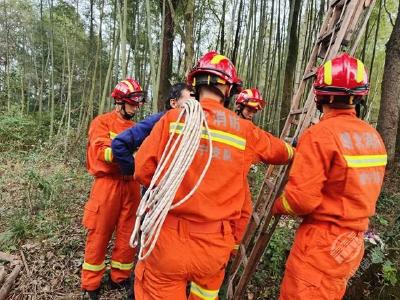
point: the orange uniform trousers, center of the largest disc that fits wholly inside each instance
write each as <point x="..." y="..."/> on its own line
<point x="185" y="252"/>
<point x="323" y="258"/>
<point x="111" y="207"/>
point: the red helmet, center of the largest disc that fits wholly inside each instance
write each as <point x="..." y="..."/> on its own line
<point x="251" y="98"/>
<point x="218" y="66"/>
<point x="129" y="91"/>
<point x="344" y="75"/>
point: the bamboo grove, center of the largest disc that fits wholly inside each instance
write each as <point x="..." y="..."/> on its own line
<point x="60" y="59"/>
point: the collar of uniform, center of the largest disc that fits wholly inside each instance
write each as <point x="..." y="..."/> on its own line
<point x="339" y="112"/>
<point x="211" y="102"/>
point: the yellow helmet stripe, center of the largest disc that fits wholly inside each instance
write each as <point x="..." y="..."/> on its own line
<point x="328" y="72"/>
<point x="360" y="71"/>
<point x="217" y="59"/>
<point x="220" y="80"/>
<point x="249" y="92"/>
<point x="130" y="86"/>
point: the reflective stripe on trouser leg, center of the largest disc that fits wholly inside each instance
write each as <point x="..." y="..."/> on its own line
<point x="94" y="268"/>
<point x="202" y="293"/>
<point x="121" y="266"/>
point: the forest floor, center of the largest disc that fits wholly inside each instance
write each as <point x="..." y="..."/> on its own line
<point x="43" y="191"/>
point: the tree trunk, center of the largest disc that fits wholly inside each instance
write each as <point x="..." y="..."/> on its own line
<point x="91" y="27"/>
<point x="52" y="112"/>
<point x="166" y="56"/>
<point x="388" y="120"/>
<point x="291" y="60"/>
<point x="237" y="34"/>
<point x="152" y="53"/>
<point x="90" y="108"/>
<point x="189" y="46"/>
<point x="376" y="38"/>
<point x="397" y="150"/>
<point x="108" y="75"/>
<point x="123" y="28"/>
<point x="43" y="63"/>
<point x="7" y="60"/>
<point x="223" y="26"/>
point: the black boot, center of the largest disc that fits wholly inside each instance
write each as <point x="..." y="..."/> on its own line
<point x="126" y="284"/>
<point x="93" y="295"/>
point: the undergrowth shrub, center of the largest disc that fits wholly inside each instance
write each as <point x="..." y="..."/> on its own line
<point x="20" y="132"/>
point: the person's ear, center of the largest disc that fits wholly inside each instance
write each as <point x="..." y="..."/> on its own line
<point x="173" y="103"/>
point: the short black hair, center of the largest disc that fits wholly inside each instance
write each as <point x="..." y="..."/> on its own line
<point x="175" y="92"/>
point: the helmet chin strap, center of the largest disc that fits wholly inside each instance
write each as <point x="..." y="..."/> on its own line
<point x="124" y="113"/>
<point x="319" y="107"/>
<point x="239" y="111"/>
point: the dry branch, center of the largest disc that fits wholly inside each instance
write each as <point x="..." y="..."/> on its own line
<point x="25" y="264"/>
<point x="2" y="274"/>
<point x="10" y="281"/>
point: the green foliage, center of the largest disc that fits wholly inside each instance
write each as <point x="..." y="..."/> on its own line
<point x="270" y="270"/>
<point x="377" y="255"/>
<point x="389" y="273"/>
<point x="18" y="132"/>
<point x="41" y="186"/>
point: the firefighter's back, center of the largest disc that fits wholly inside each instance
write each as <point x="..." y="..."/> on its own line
<point x="356" y="170"/>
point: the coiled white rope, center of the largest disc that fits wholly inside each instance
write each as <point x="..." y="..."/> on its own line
<point x="157" y="201"/>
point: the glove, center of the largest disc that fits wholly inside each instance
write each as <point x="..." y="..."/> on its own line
<point x="235" y="250"/>
<point x="278" y="209"/>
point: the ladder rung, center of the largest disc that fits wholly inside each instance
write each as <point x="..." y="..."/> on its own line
<point x="338" y="3"/>
<point x="243" y="255"/>
<point x="309" y="75"/>
<point x="298" y="111"/>
<point x="329" y="33"/>
<point x="269" y="184"/>
<point x="256" y="218"/>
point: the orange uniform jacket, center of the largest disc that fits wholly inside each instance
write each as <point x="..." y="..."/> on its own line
<point x="103" y="129"/>
<point x="239" y="226"/>
<point x="337" y="172"/>
<point x="236" y="142"/>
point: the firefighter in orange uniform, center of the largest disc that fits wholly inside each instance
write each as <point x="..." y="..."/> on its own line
<point x="247" y="104"/>
<point x="196" y="239"/>
<point x="334" y="184"/>
<point x="114" y="198"/>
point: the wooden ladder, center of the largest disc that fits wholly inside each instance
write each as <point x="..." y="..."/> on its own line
<point x="342" y="29"/>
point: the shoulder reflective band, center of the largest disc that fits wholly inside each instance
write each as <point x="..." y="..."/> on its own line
<point x="289" y="150"/>
<point x="112" y="135"/>
<point x="108" y="155"/>
<point x="236" y="247"/>
<point x="216" y="135"/>
<point x="203" y="293"/>
<point x="286" y="205"/>
<point x="119" y="265"/>
<point x="94" y="268"/>
<point x="365" y="161"/>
